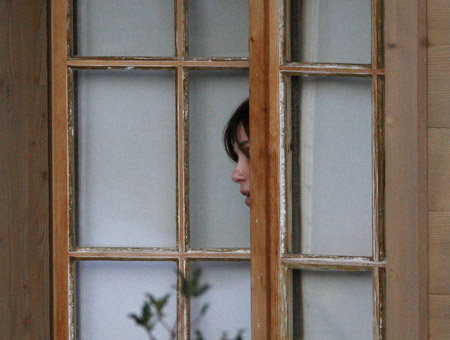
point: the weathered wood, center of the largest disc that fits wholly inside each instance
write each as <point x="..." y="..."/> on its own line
<point x="24" y="172"/>
<point x="123" y="63"/>
<point x="273" y="156"/>
<point x="439" y="85"/>
<point x="146" y="254"/>
<point x="438" y="22"/>
<point x="439" y="252"/>
<point x="439" y="317"/>
<point x="439" y="169"/>
<point x="406" y="170"/>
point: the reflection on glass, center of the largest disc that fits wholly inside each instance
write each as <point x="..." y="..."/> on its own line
<point x="330" y="31"/>
<point x="331" y="305"/>
<point x="124" y="28"/>
<point x="331" y="165"/>
<point x="125" y="158"/>
<point x="218" y="28"/>
<point x="228" y="299"/>
<point x="108" y="291"/>
<point x="218" y="216"/>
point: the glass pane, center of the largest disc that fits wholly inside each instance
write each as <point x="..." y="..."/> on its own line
<point x="218" y="28"/>
<point x="228" y="299"/>
<point x="124" y="28"/>
<point x="332" y="165"/>
<point x="218" y="216"/>
<point x="331" y="31"/>
<point x="126" y="158"/>
<point x="331" y="305"/>
<point x="108" y="291"/>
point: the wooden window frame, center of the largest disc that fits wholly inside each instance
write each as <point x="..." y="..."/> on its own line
<point x="406" y="166"/>
<point x="65" y="251"/>
<point x="405" y="201"/>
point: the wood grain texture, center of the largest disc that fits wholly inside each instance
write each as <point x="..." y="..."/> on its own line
<point x="439" y="84"/>
<point x="439" y="169"/>
<point x="60" y="214"/>
<point x="24" y="172"/>
<point x="439" y="252"/>
<point x="439" y="317"/>
<point x="259" y="172"/>
<point x="406" y="171"/>
<point x="273" y="157"/>
<point x="438" y="22"/>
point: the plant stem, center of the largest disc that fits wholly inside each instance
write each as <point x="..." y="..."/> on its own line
<point x="196" y="321"/>
<point x="171" y="331"/>
<point x="150" y="335"/>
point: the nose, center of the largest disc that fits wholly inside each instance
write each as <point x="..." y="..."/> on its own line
<point x="238" y="174"/>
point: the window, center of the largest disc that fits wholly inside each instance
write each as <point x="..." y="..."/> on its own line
<point x="329" y="169"/>
<point x="332" y="251"/>
<point x="293" y="70"/>
<point x="142" y="183"/>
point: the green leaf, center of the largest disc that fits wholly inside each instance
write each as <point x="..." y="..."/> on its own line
<point x="224" y="336"/>
<point x="198" y="335"/>
<point x="204" y="309"/>
<point x="201" y="290"/>
<point x="239" y="334"/>
<point x="159" y="304"/>
<point x="141" y="321"/>
<point x="191" y="287"/>
<point x="146" y="312"/>
<point x="137" y="319"/>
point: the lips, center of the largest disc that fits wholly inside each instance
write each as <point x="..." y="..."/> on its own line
<point x="246" y="194"/>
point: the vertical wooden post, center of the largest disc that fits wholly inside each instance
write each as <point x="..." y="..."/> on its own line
<point x="264" y="172"/>
<point x="406" y="170"/>
<point x="60" y="170"/>
<point x="24" y="171"/>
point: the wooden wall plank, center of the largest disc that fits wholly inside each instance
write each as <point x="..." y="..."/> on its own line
<point x="439" y="84"/>
<point x="406" y="170"/>
<point x="439" y="169"/>
<point x="439" y="252"/>
<point x="438" y="22"/>
<point x="24" y="176"/>
<point x="439" y="317"/>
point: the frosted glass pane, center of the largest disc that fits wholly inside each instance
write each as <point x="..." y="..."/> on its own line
<point x="332" y="123"/>
<point x="228" y="299"/>
<point x="331" y="31"/>
<point x="124" y="28"/>
<point x="218" y="28"/>
<point x="218" y="216"/>
<point x="108" y="291"/>
<point x="332" y="305"/>
<point x="126" y="158"/>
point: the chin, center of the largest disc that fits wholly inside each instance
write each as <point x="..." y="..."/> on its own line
<point x="247" y="201"/>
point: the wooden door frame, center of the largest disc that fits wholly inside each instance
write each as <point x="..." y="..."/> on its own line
<point x="406" y="169"/>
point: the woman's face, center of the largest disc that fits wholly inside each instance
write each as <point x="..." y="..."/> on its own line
<point x="241" y="173"/>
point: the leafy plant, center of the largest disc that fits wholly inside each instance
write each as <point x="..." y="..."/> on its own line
<point x="152" y="310"/>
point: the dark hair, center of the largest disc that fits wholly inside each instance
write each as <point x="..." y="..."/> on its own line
<point x="230" y="132"/>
